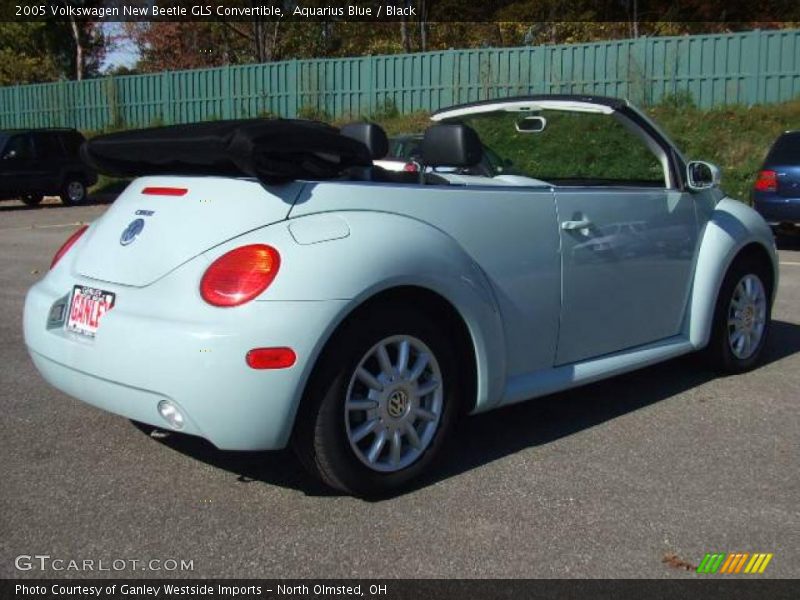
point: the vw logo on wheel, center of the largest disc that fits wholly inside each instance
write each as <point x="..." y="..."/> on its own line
<point x="398" y="402"/>
<point x="131" y="232"/>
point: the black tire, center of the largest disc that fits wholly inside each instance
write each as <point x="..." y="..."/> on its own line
<point x="321" y="438"/>
<point x="719" y="353"/>
<point x="32" y="199"/>
<point x="73" y="191"/>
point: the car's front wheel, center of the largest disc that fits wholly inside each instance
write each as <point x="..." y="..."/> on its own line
<point x="73" y="192"/>
<point x="741" y="318"/>
<point x="380" y="404"/>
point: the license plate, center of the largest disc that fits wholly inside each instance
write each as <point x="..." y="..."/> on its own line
<point x="87" y="307"/>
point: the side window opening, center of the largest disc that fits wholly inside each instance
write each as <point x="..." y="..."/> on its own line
<point x="575" y="148"/>
<point x="21" y="146"/>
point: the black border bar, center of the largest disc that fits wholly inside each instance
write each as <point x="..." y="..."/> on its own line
<point x="706" y="588"/>
<point x="764" y="13"/>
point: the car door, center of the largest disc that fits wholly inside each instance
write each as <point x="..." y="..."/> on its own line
<point x="627" y="261"/>
<point x="629" y="236"/>
<point x="18" y="172"/>
<point x="50" y="159"/>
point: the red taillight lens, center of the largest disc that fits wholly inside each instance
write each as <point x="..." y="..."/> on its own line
<point x="240" y="275"/>
<point x="68" y="244"/>
<point x="767" y="181"/>
<point x="410" y="167"/>
<point x="271" y="358"/>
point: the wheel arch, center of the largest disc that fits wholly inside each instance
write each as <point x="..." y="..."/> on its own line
<point x="436" y="306"/>
<point x="73" y="175"/>
<point x="734" y="231"/>
<point x="478" y="344"/>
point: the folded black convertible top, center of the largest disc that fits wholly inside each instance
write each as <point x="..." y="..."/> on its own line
<point x="273" y="150"/>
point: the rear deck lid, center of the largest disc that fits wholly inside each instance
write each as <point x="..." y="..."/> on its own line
<point x="159" y="223"/>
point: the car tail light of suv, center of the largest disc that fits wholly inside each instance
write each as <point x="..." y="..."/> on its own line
<point x="767" y="181"/>
<point x="240" y="275"/>
<point x="68" y="244"/>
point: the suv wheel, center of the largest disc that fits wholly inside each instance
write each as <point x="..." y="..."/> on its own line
<point x="32" y="199"/>
<point x="73" y="192"/>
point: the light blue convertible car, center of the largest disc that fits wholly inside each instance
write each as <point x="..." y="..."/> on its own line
<point x="358" y="313"/>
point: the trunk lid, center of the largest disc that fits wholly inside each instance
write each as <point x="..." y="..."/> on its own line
<point x="168" y="226"/>
<point x="788" y="178"/>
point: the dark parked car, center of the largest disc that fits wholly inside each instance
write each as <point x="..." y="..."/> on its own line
<point x="776" y="194"/>
<point x="43" y="162"/>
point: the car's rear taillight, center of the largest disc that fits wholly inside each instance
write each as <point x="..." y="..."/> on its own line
<point x="240" y="275"/>
<point x="68" y="244"/>
<point x="767" y="181"/>
<point x="411" y="167"/>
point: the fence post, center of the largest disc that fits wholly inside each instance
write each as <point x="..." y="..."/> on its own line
<point x="637" y="71"/>
<point x="754" y="66"/>
<point x="293" y="99"/>
<point x="227" y="93"/>
<point x="371" y="85"/>
<point x="17" y="108"/>
<point x="166" y="98"/>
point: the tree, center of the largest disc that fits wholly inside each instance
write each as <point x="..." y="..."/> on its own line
<point x="80" y="45"/>
<point x="23" y="54"/>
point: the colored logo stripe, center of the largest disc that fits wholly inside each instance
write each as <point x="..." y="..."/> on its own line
<point x="733" y="562"/>
<point x="710" y="563"/>
<point x="758" y="563"/>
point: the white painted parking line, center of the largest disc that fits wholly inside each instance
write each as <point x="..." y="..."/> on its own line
<point x="791" y="264"/>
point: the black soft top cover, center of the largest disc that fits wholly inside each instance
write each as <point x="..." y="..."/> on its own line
<point x="272" y="150"/>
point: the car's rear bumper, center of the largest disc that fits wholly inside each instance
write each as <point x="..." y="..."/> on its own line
<point x="777" y="210"/>
<point x="196" y="361"/>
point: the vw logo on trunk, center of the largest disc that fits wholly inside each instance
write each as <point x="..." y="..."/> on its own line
<point x="131" y="232"/>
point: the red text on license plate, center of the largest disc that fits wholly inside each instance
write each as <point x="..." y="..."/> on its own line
<point x="87" y="307"/>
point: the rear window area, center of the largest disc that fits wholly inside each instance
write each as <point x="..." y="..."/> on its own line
<point x="785" y="150"/>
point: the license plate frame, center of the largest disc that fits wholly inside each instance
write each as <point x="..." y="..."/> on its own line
<point x="87" y="305"/>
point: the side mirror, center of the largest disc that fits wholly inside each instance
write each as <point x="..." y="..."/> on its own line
<point x="702" y="175"/>
<point x="531" y="125"/>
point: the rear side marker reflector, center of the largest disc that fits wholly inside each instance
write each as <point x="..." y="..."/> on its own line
<point x="164" y="191"/>
<point x="271" y="358"/>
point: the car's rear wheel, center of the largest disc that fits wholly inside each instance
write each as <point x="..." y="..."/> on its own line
<point x="380" y="404"/>
<point x="32" y="199"/>
<point x="741" y="318"/>
<point x="73" y="191"/>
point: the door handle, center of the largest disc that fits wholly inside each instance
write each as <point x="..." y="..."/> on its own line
<point x="573" y="225"/>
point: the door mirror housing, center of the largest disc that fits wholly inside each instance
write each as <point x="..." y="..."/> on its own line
<point x="533" y="124"/>
<point x="701" y="175"/>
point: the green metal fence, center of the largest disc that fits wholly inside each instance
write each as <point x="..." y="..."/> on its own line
<point x="740" y="68"/>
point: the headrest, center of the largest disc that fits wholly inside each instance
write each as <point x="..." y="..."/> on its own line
<point x="371" y="135"/>
<point x="451" y="145"/>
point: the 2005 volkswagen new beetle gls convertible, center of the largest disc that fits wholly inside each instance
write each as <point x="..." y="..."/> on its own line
<point x="262" y="283"/>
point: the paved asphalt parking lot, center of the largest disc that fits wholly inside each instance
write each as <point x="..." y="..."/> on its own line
<point x="609" y="480"/>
